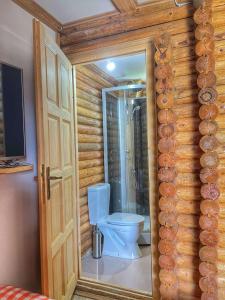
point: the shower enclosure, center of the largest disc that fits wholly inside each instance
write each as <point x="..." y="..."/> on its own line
<point x="126" y="151"/>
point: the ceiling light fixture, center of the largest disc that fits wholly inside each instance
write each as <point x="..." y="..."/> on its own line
<point x="110" y="66"/>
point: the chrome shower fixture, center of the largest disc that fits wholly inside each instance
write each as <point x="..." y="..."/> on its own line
<point x="138" y="107"/>
<point x="182" y="4"/>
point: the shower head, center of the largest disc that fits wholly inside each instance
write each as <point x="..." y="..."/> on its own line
<point x="138" y="107"/>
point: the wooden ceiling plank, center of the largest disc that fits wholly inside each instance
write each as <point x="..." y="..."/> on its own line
<point x="41" y="14"/>
<point x="124" y="5"/>
<point x="119" y="24"/>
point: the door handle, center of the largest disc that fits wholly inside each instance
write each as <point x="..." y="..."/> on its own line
<point x="49" y="178"/>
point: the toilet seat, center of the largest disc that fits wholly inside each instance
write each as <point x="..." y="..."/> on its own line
<point x="124" y="219"/>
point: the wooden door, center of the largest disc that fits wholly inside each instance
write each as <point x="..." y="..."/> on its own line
<point x="56" y="167"/>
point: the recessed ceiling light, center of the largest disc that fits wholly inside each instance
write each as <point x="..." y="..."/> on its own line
<point x="110" y="66"/>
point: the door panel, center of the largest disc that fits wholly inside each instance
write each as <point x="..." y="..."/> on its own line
<point x="55" y="127"/>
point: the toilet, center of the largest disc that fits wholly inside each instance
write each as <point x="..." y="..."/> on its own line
<point x="120" y="230"/>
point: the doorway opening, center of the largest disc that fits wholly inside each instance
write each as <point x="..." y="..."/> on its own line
<point x="113" y="138"/>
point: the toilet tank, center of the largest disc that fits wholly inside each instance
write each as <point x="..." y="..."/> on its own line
<point x="98" y="202"/>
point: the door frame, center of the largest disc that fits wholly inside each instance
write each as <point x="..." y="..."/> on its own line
<point x="90" y="287"/>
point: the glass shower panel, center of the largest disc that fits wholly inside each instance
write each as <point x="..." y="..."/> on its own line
<point x="141" y="156"/>
<point x="126" y="151"/>
<point x="113" y="155"/>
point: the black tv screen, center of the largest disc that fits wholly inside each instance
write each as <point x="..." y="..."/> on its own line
<point x="12" y="137"/>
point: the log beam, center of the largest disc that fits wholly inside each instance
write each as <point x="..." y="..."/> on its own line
<point x="124" y="5"/>
<point x="116" y="23"/>
<point x="38" y="12"/>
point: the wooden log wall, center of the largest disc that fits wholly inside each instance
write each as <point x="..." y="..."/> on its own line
<point x="218" y="22"/>
<point x="186" y="107"/>
<point x="183" y="279"/>
<point x="167" y="173"/>
<point x="89" y="84"/>
<point x="188" y="155"/>
<point x="209" y="159"/>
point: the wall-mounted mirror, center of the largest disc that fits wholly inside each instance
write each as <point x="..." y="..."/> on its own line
<point x="112" y="124"/>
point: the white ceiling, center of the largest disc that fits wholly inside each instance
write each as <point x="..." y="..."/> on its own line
<point x="127" y="67"/>
<point x="71" y="10"/>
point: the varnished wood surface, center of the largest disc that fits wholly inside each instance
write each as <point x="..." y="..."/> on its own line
<point x="16" y="169"/>
<point x="125" y="6"/>
<point x="57" y="198"/>
<point x="89" y="83"/>
<point x="76" y="297"/>
<point x="81" y="31"/>
<point x="100" y="291"/>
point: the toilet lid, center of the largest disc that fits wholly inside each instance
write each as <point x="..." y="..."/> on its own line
<point x="124" y="219"/>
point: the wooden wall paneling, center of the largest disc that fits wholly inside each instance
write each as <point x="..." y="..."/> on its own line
<point x="89" y="84"/>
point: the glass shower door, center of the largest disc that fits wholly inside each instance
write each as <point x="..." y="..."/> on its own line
<point x="126" y="151"/>
<point x="112" y="155"/>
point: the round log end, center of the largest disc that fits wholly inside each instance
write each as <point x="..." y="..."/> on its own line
<point x="208" y="254"/>
<point x="202" y="15"/>
<point x="209" y="238"/>
<point x="205" y="47"/>
<point x="163" y="71"/>
<point x="208" y="127"/>
<point x="166" y="247"/>
<point x="209" y="175"/>
<point x="206" y="80"/>
<point x="208" y="112"/>
<point x="205" y="64"/>
<point x="166" y="130"/>
<point x="209" y="160"/>
<point x="167" y="160"/>
<point x="207" y="95"/>
<point x="167" y="189"/>
<point x="210" y="191"/>
<point x="203" y="31"/>
<point x="167" y="174"/>
<point x="166" y="116"/>
<point x="209" y="207"/>
<point x="166" y="262"/>
<point x="208" y="284"/>
<point x="166" y="233"/>
<point x="165" y="101"/>
<point x="164" y="86"/>
<point x="208" y="222"/>
<point x="207" y="269"/>
<point x="167" y="219"/>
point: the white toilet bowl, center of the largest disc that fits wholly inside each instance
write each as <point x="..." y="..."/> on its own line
<point x="121" y="232"/>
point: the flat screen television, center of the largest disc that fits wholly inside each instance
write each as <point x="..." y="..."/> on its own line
<point x="12" y="134"/>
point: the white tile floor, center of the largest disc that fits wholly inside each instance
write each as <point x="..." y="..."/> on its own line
<point x="120" y="272"/>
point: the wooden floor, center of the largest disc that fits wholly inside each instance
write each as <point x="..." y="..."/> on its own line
<point x="79" y="298"/>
